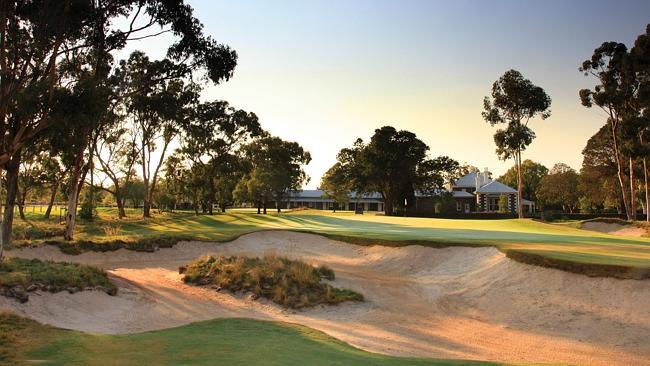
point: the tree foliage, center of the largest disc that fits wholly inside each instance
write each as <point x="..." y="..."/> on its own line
<point x="560" y="188"/>
<point x="514" y="101"/>
<point x="394" y="163"/>
<point x="531" y="174"/>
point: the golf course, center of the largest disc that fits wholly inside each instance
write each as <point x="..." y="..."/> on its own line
<point x="436" y="292"/>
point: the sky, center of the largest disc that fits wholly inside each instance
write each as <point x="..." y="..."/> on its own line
<point x="324" y="73"/>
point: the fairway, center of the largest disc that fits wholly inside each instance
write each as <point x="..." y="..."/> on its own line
<point x="557" y="241"/>
<point x="214" y="342"/>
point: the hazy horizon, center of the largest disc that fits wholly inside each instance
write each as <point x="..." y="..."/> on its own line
<point x="324" y="73"/>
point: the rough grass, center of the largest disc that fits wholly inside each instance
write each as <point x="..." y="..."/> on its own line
<point x="290" y="283"/>
<point x="17" y="276"/>
<point x="216" y="342"/>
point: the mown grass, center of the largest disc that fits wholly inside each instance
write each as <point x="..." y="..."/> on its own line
<point x="18" y="275"/>
<point x="553" y="241"/>
<point x="290" y="283"/>
<point x="214" y="342"/>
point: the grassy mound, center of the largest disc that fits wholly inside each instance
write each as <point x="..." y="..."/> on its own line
<point x="19" y="276"/>
<point x="215" y="342"/>
<point x="290" y="283"/>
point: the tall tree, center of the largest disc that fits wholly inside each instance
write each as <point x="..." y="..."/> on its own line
<point x="598" y="181"/>
<point x="514" y="102"/>
<point x="159" y="111"/>
<point x="531" y="174"/>
<point x="336" y="184"/>
<point x="212" y="142"/>
<point x="395" y="164"/>
<point x="641" y="59"/>
<point x="612" y="66"/>
<point x="117" y="153"/>
<point x="277" y="169"/>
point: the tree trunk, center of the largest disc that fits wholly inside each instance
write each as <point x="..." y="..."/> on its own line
<point x="619" y="173"/>
<point x="55" y="188"/>
<point x="388" y="205"/>
<point x="73" y="197"/>
<point x="520" y="210"/>
<point x="259" y="209"/>
<point x="146" y="208"/>
<point x="647" y="197"/>
<point x="265" y="208"/>
<point x="121" y="213"/>
<point x="632" y="191"/>
<point x="12" y="191"/>
<point x="21" y="206"/>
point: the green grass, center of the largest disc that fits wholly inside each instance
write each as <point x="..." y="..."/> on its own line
<point x="290" y="283"/>
<point x="559" y="242"/>
<point x="214" y="342"/>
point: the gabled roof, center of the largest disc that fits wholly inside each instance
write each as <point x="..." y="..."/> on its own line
<point x="495" y="187"/>
<point x="468" y="180"/>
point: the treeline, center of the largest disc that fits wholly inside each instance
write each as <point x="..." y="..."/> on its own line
<point x="77" y="123"/>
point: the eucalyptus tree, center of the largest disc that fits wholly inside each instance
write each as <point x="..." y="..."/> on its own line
<point x="276" y="170"/>
<point x="598" y="182"/>
<point x="159" y="107"/>
<point x="641" y="124"/>
<point x="336" y="184"/>
<point x="560" y="188"/>
<point x="612" y="67"/>
<point x="212" y="142"/>
<point x="531" y="174"/>
<point x="117" y="153"/>
<point x="393" y="163"/>
<point x="514" y="101"/>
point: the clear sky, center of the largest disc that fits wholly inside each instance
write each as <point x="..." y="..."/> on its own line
<point x="326" y="72"/>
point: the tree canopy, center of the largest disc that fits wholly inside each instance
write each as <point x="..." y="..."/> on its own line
<point x="514" y="101"/>
<point x="531" y="174"/>
<point x="393" y="163"/>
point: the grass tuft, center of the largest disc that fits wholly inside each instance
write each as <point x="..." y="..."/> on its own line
<point x="290" y="283"/>
<point x="19" y="276"/>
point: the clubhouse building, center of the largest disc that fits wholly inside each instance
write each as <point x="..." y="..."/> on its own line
<point x="473" y="193"/>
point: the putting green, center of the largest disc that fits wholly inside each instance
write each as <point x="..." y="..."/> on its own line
<point x="549" y="240"/>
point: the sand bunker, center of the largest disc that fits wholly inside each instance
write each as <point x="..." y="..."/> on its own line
<point x="470" y="303"/>
<point x="614" y="228"/>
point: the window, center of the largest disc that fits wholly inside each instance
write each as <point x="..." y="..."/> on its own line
<point x="459" y="206"/>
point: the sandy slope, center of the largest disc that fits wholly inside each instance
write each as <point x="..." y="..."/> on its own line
<point x="468" y="303"/>
<point x="614" y="229"/>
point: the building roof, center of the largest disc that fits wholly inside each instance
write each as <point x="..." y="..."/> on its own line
<point x="462" y="194"/>
<point x="468" y="180"/>
<point x="316" y="194"/>
<point x="495" y="187"/>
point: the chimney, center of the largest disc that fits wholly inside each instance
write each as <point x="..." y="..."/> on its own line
<point x="486" y="176"/>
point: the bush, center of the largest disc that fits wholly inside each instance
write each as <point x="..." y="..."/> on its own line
<point x="19" y="276"/>
<point x="289" y="283"/>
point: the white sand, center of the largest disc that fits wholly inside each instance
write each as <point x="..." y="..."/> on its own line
<point x="470" y="303"/>
<point x="614" y="229"/>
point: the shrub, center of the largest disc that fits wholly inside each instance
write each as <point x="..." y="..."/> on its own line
<point x="290" y="283"/>
<point x="18" y="276"/>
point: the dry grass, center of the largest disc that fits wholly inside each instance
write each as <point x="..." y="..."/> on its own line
<point x="290" y="283"/>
